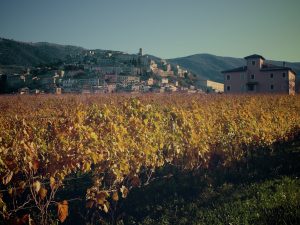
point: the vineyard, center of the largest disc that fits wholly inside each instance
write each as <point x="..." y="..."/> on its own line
<point x="58" y="153"/>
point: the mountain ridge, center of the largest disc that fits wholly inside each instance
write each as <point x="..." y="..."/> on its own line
<point x="33" y="54"/>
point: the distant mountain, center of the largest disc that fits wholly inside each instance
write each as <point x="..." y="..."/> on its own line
<point x="32" y="54"/>
<point x="207" y="66"/>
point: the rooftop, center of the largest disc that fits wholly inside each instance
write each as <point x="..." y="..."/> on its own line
<point x="239" y="69"/>
<point x="255" y="56"/>
<point x="271" y="67"/>
<point x="265" y="66"/>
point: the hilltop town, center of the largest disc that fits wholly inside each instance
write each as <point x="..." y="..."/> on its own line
<point x="104" y="71"/>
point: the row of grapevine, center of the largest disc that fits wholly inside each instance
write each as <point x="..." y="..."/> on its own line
<point x="122" y="141"/>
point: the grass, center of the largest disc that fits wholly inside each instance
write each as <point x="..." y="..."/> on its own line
<point x="275" y="201"/>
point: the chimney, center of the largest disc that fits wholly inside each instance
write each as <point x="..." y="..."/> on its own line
<point x="283" y="63"/>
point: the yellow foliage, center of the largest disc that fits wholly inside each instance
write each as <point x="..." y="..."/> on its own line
<point x="120" y="137"/>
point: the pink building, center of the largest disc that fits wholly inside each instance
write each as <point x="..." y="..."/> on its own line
<point x="259" y="77"/>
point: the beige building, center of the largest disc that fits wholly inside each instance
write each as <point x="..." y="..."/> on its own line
<point x="259" y="77"/>
<point x="212" y="85"/>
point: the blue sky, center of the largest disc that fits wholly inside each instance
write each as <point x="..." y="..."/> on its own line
<point x="165" y="28"/>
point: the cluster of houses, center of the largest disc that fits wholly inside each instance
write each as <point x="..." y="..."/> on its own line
<point x="105" y="72"/>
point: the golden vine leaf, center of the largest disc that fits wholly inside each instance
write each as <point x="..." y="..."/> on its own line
<point x="7" y="178"/>
<point x="106" y="207"/>
<point x="62" y="210"/>
<point x="36" y="186"/>
<point x="43" y="193"/>
<point x="52" y="183"/>
<point x="124" y="191"/>
<point x="115" y="196"/>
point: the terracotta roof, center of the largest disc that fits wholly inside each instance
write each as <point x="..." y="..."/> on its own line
<point x="255" y="56"/>
<point x="239" y="69"/>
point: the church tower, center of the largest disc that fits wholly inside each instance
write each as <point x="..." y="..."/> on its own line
<point x="141" y="52"/>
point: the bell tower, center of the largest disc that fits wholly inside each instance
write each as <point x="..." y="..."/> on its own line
<point x="140" y="52"/>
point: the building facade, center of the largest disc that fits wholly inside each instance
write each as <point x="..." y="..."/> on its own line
<point x="259" y="77"/>
<point x="207" y="85"/>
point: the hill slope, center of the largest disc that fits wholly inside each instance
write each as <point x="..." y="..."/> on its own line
<point x="208" y="66"/>
<point x="32" y="54"/>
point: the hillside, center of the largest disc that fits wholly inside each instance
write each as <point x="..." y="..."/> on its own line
<point x="208" y="66"/>
<point x="32" y="54"/>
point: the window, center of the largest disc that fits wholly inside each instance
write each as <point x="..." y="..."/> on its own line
<point x="283" y="75"/>
<point x="272" y="87"/>
<point x="228" y="77"/>
<point x="253" y="63"/>
<point x="228" y="88"/>
<point x="252" y="76"/>
<point x="271" y="75"/>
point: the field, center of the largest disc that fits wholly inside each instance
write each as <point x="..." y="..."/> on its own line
<point x="150" y="159"/>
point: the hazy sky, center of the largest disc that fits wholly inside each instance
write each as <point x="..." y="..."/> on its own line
<point x="165" y="28"/>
